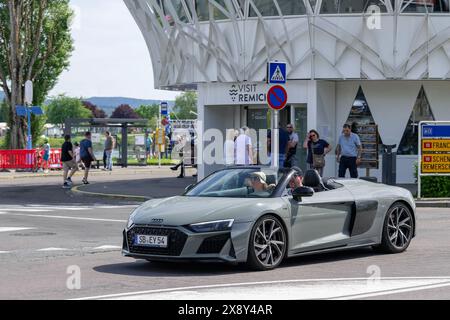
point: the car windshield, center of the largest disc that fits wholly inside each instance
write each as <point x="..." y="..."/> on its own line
<point x="238" y="183"/>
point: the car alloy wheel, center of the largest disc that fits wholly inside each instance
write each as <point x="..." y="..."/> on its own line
<point x="400" y="227"/>
<point x="268" y="243"/>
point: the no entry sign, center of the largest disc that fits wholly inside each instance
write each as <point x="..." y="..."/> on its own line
<point x="277" y="97"/>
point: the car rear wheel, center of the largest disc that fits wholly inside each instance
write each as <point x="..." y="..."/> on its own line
<point x="267" y="247"/>
<point x="398" y="229"/>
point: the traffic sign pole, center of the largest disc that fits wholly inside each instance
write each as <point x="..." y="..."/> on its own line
<point x="276" y="140"/>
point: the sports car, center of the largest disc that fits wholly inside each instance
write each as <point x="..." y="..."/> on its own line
<point x="261" y="216"/>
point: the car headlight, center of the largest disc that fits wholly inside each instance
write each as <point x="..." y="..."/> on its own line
<point x="130" y="223"/>
<point x="213" y="226"/>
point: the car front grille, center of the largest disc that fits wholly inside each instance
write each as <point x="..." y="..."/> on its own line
<point x="213" y="245"/>
<point x="177" y="239"/>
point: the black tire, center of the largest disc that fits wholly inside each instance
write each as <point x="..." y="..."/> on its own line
<point x="396" y="239"/>
<point x="270" y="224"/>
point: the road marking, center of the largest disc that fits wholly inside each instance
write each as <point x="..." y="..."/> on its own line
<point x="330" y="289"/>
<point x="62" y="217"/>
<point x="52" y="249"/>
<point x="107" y="248"/>
<point x="4" y="252"/>
<point x="11" y="229"/>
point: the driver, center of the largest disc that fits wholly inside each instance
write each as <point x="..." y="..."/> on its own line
<point x="297" y="179"/>
<point x="259" y="183"/>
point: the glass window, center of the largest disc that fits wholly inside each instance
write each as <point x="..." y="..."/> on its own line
<point x="350" y="6"/>
<point x="421" y="112"/>
<point x="238" y="183"/>
<point x="202" y="8"/>
<point x="423" y="6"/>
<point x="179" y="9"/>
<point x="266" y="8"/>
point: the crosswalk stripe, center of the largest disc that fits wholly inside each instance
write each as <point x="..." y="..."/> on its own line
<point x="107" y="248"/>
<point x="62" y="217"/>
<point x="11" y="229"/>
<point x="52" y="249"/>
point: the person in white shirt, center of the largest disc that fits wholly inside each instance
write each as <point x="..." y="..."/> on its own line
<point x="228" y="148"/>
<point x="243" y="148"/>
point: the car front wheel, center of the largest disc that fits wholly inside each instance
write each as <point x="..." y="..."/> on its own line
<point x="268" y="244"/>
<point x="398" y="229"/>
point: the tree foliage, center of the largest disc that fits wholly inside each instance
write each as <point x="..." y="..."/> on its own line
<point x="63" y="107"/>
<point x="124" y="111"/>
<point x="185" y="105"/>
<point x="35" y="44"/>
<point x="148" y="111"/>
<point x="96" y="111"/>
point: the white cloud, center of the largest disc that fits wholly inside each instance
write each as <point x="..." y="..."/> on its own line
<point x="110" y="57"/>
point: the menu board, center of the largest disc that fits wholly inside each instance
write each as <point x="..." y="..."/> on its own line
<point x="368" y="134"/>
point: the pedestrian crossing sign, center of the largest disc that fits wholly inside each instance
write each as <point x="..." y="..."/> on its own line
<point x="276" y="73"/>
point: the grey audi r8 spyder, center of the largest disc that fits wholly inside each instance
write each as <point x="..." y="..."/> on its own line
<point x="261" y="216"/>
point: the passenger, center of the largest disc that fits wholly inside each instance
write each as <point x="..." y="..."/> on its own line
<point x="297" y="179"/>
<point x="259" y="183"/>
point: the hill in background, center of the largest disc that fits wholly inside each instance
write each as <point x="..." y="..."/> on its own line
<point x="108" y="104"/>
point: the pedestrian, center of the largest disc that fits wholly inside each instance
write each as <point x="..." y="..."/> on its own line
<point x="291" y="156"/>
<point x="283" y="145"/>
<point x="243" y="148"/>
<point x="68" y="160"/>
<point x="46" y="156"/>
<point x="317" y="150"/>
<point x="76" y="152"/>
<point x="148" y="146"/>
<point x="109" y="147"/>
<point x="348" y="152"/>
<point x="87" y="155"/>
<point x="180" y="145"/>
<point x="228" y="148"/>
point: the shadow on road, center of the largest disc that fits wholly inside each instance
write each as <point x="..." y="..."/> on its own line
<point x="192" y="269"/>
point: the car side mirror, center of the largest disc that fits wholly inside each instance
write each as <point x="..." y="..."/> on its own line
<point x="301" y="192"/>
<point x="189" y="188"/>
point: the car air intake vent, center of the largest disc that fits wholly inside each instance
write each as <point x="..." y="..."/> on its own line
<point x="177" y="239"/>
<point x="213" y="245"/>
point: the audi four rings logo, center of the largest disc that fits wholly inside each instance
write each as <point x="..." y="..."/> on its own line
<point x="157" y="220"/>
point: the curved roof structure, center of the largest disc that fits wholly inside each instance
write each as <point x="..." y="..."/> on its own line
<point x="205" y="41"/>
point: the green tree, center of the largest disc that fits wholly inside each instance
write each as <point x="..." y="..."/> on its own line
<point x="185" y="105"/>
<point x="148" y="111"/>
<point x="63" y="107"/>
<point x="35" y="44"/>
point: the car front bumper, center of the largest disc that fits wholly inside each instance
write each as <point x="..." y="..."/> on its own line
<point x="230" y="246"/>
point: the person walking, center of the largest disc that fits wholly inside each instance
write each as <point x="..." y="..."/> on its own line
<point x="46" y="156"/>
<point x="243" y="148"/>
<point x="180" y="145"/>
<point x="109" y="147"/>
<point x="317" y="150"/>
<point x="87" y="155"/>
<point x="291" y="156"/>
<point x="68" y="160"/>
<point x="348" y="152"/>
<point x="148" y="146"/>
<point x="228" y="148"/>
<point x="76" y="152"/>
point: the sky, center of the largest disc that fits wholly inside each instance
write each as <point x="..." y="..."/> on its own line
<point x="111" y="58"/>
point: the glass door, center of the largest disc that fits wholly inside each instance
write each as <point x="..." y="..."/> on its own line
<point x="300" y="114"/>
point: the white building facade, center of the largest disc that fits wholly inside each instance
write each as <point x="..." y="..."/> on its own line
<point x="381" y="62"/>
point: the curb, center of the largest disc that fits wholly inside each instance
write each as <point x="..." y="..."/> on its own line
<point x="433" y="204"/>
<point x="93" y="173"/>
<point x="76" y="190"/>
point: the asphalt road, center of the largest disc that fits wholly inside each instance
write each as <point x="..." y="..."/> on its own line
<point x="46" y="242"/>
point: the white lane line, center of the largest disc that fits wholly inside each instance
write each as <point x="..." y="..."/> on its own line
<point x="26" y="210"/>
<point x="11" y="229"/>
<point x="4" y="252"/>
<point x="107" y="247"/>
<point x="345" y="288"/>
<point x="52" y="249"/>
<point x="62" y="217"/>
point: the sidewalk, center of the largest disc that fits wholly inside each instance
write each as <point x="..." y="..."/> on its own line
<point x="139" y="190"/>
<point x="12" y="175"/>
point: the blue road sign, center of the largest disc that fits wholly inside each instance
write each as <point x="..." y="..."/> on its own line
<point x="277" y="97"/>
<point x="277" y="73"/>
<point x="436" y="131"/>
<point x="23" y="111"/>
<point x="164" y="109"/>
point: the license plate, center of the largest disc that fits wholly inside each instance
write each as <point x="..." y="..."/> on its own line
<point x="151" y="241"/>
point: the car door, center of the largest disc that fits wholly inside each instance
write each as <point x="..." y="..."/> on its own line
<point x="321" y="221"/>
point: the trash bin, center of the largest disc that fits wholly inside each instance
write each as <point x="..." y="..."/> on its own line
<point x="389" y="171"/>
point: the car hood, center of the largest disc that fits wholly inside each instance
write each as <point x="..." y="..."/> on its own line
<point x="178" y="211"/>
